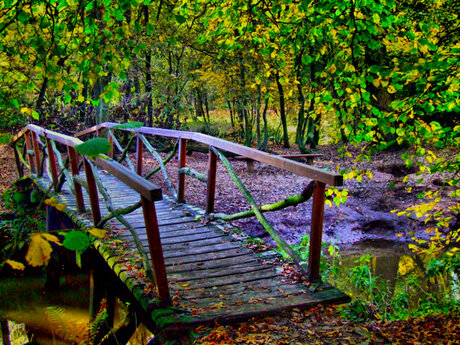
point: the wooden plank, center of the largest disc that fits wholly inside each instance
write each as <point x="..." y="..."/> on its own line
<point x="230" y="280"/>
<point x="230" y="253"/>
<point x="172" y="239"/>
<point x="204" y="265"/>
<point x="171" y="252"/>
<point x="243" y="268"/>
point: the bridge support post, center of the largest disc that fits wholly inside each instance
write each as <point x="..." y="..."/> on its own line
<point x="139" y="152"/>
<point x="73" y="158"/>
<point x="156" y="250"/>
<point x="92" y="191"/>
<point x="211" y="190"/>
<point x="52" y="162"/>
<point x="181" y="176"/>
<point x="36" y="153"/>
<point x="33" y="168"/>
<point x="316" y="233"/>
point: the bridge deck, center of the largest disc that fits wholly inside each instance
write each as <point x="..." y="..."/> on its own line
<point x="212" y="273"/>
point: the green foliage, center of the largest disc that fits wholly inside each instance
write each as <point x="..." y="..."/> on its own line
<point x="76" y="240"/>
<point x="129" y="125"/>
<point x="5" y="138"/>
<point x="17" y="222"/>
<point x="93" y="147"/>
<point x="418" y="291"/>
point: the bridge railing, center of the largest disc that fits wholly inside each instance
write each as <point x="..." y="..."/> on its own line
<point x="40" y="145"/>
<point x="320" y="177"/>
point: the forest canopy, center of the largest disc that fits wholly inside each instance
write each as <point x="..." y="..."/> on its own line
<point x="384" y="72"/>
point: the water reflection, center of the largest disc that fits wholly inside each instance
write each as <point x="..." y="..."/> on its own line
<point x="50" y="318"/>
<point x="394" y="268"/>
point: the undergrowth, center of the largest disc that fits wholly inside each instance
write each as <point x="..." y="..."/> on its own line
<point x="424" y="286"/>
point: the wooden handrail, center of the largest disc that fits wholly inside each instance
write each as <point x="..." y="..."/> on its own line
<point x="140" y="185"/>
<point x="321" y="178"/>
<point x="149" y="193"/>
<point x="276" y="161"/>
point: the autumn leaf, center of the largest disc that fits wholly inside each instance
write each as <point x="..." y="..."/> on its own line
<point x="97" y="232"/>
<point x="16" y="265"/>
<point x="39" y="252"/>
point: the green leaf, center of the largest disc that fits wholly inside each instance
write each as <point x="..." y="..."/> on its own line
<point x="127" y="125"/>
<point x="19" y="196"/>
<point x="180" y="19"/>
<point x="76" y="240"/>
<point x="93" y="147"/>
<point x="34" y="196"/>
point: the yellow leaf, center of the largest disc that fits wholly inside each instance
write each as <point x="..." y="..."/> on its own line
<point x="50" y="238"/>
<point x="60" y="206"/>
<point x="50" y="202"/>
<point x="39" y="252"/>
<point x="376" y="82"/>
<point x="185" y="285"/>
<point x="15" y="265"/>
<point x="332" y="69"/>
<point x="391" y="89"/>
<point x="97" y="232"/>
<point x="399" y="235"/>
<point x="328" y="202"/>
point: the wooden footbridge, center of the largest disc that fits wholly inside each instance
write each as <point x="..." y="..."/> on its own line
<point x="175" y="270"/>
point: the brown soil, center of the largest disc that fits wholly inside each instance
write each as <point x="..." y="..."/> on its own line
<point x="365" y="216"/>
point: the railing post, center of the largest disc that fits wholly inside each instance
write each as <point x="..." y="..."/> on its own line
<point x="211" y="190"/>
<point x="156" y="250"/>
<point x="73" y="158"/>
<point x="33" y="168"/>
<point x="92" y="191"/>
<point x="181" y="164"/>
<point x="139" y="152"/>
<point x="111" y="145"/>
<point x="316" y="232"/>
<point x="52" y="162"/>
<point x="36" y="152"/>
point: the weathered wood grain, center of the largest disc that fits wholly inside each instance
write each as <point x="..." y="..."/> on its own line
<point x="215" y="277"/>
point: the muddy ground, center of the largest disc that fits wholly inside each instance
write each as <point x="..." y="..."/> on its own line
<point x="366" y="215"/>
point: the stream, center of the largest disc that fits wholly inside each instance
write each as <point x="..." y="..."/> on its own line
<point x="62" y="318"/>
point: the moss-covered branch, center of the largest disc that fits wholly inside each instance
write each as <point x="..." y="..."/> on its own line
<point x="162" y="166"/>
<point x="119" y="211"/>
<point x="290" y="201"/>
<point x="165" y="161"/>
<point x="193" y="173"/>
<point x="282" y="244"/>
<point x="124" y="152"/>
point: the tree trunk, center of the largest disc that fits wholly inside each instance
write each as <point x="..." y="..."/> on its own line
<point x="264" y="117"/>
<point x="283" y="112"/>
<point x="148" y="75"/>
